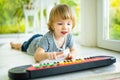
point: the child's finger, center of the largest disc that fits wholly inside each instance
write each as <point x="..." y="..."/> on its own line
<point x="69" y="57"/>
<point x="60" y="54"/>
<point x="54" y="55"/>
<point x="49" y="56"/>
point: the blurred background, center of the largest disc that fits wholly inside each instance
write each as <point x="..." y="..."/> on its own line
<point x="24" y="17"/>
<point x="29" y="16"/>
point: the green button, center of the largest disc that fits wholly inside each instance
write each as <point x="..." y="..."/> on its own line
<point x="36" y="66"/>
<point x="47" y="64"/>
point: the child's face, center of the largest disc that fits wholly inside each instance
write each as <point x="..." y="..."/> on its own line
<point x="62" y="27"/>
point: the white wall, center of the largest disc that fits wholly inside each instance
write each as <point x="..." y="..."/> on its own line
<point x="88" y="34"/>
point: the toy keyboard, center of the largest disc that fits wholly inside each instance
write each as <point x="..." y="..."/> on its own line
<point x="47" y="69"/>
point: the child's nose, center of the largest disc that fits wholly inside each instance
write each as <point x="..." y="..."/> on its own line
<point x="65" y="27"/>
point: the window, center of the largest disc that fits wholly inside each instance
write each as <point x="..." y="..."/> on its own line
<point x="11" y="16"/>
<point x="108" y="24"/>
<point x="114" y="19"/>
<point x="30" y="16"/>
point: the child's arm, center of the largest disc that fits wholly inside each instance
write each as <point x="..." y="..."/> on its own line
<point x="40" y="55"/>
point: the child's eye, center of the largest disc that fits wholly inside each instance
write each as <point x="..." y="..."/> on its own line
<point x="68" y="23"/>
<point x="59" y="23"/>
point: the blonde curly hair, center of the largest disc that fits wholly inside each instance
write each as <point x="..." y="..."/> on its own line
<point x="60" y="11"/>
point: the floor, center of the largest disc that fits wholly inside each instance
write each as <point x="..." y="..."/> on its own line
<point x="10" y="58"/>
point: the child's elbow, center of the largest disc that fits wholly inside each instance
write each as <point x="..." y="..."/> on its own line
<point x="36" y="58"/>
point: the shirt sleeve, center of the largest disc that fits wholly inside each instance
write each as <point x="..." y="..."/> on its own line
<point x="43" y="43"/>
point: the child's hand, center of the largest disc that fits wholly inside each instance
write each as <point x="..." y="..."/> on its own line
<point x="55" y="55"/>
<point x="70" y="56"/>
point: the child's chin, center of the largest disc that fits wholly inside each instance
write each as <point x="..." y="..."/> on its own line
<point x="64" y="35"/>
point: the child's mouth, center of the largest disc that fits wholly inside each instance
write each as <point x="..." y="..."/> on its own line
<point x="64" y="32"/>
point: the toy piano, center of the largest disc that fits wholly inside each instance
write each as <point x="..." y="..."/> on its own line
<point x="47" y="69"/>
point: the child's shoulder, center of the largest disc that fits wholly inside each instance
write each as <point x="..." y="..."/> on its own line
<point x="48" y="34"/>
<point x="47" y="37"/>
